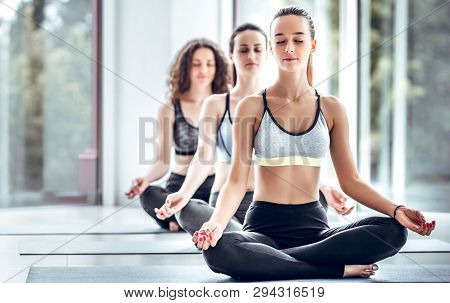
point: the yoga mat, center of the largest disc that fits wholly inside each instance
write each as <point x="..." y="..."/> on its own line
<point x="202" y="274"/>
<point x="77" y="228"/>
<point x="425" y="246"/>
<point x="77" y="247"/>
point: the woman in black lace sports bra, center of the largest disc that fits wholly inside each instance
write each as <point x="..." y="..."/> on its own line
<point x="199" y="70"/>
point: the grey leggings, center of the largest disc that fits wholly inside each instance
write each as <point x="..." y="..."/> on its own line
<point x="294" y="242"/>
<point x="197" y="212"/>
<point x="155" y="196"/>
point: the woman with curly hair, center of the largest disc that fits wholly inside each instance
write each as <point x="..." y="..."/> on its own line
<point x="200" y="69"/>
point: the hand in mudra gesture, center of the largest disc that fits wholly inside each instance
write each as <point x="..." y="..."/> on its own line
<point x="208" y="235"/>
<point x="414" y="220"/>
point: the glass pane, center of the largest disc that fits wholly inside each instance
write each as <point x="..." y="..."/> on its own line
<point x="428" y="111"/>
<point x="426" y="127"/>
<point x="381" y="92"/>
<point x="47" y="103"/>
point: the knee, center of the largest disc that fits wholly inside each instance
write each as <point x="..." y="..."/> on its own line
<point x="397" y="235"/>
<point x="223" y="257"/>
<point x="187" y="212"/>
<point x="186" y="219"/>
<point x="148" y="196"/>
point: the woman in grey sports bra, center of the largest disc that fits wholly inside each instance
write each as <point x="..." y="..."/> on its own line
<point x="248" y="51"/>
<point x="290" y="127"/>
<point x="198" y="71"/>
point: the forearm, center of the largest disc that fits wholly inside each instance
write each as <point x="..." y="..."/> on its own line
<point x="323" y="186"/>
<point x="228" y="202"/>
<point x="156" y="171"/>
<point x="196" y="175"/>
<point x="363" y="193"/>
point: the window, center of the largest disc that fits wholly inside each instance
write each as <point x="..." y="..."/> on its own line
<point x="48" y="133"/>
<point x="404" y="112"/>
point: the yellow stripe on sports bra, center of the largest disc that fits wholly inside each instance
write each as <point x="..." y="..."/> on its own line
<point x="289" y="160"/>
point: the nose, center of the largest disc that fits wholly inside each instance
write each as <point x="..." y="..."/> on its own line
<point x="204" y="69"/>
<point x="289" y="47"/>
<point x="251" y="55"/>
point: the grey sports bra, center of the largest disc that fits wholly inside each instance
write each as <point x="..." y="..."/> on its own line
<point x="224" y="144"/>
<point x="185" y="135"/>
<point x="275" y="146"/>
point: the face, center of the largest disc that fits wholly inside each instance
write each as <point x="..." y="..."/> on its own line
<point x="249" y="53"/>
<point x="203" y="67"/>
<point x="291" y="42"/>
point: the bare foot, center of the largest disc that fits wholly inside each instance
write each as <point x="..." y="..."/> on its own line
<point x="174" y="227"/>
<point x="364" y="271"/>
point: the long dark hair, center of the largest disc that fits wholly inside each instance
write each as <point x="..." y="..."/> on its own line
<point x="241" y="28"/>
<point x="296" y="11"/>
<point x="179" y="77"/>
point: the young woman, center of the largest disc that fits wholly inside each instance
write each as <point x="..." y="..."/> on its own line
<point x="248" y="51"/>
<point x="291" y="127"/>
<point x="200" y="69"/>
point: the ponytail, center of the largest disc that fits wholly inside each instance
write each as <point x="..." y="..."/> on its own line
<point x="309" y="71"/>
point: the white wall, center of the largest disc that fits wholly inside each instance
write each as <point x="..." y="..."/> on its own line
<point x="140" y="40"/>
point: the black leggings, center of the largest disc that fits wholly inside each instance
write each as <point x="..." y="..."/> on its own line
<point x="295" y="242"/>
<point x="155" y="196"/>
<point x="197" y="212"/>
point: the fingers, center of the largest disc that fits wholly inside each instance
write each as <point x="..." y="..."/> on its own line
<point x="419" y="216"/>
<point x="164" y="212"/>
<point x="134" y="191"/>
<point x="129" y="194"/>
<point x="432" y="225"/>
<point x="340" y="196"/>
<point x="425" y="228"/>
<point x="347" y="211"/>
<point x="204" y="238"/>
<point x="195" y="237"/>
<point x="203" y="241"/>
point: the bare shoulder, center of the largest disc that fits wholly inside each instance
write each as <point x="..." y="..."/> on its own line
<point x="252" y="105"/>
<point x="331" y="103"/>
<point x="166" y="109"/>
<point x="332" y="108"/>
<point x="215" y="100"/>
<point x="214" y="104"/>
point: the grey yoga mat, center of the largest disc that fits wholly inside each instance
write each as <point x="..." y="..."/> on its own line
<point x="81" y="247"/>
<point x="103" y="247"/>
<point x="77" y="228"/>
<point x="426" y="246"/>
<point x="201" y="273"/>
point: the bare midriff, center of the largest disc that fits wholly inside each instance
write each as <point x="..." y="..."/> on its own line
<point x="297" y="184"/>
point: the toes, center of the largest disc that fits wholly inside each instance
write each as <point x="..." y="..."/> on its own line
<point x="367" y="273"/>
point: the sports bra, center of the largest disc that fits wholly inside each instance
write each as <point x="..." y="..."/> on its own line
<point x="185" y="135"/>
<point x="275" y="146"/>
<point x="224" y="144"/>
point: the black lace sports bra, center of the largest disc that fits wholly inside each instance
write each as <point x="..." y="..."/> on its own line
<point x="185" y="135"/>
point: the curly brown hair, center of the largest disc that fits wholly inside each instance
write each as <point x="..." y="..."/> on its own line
<point x="179" y="80"/>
